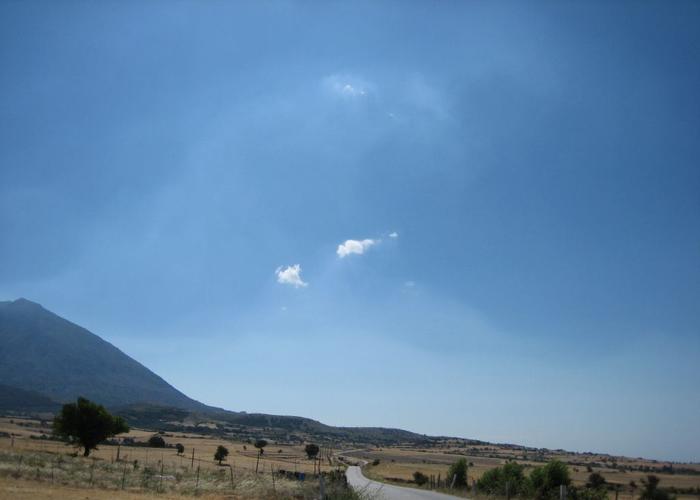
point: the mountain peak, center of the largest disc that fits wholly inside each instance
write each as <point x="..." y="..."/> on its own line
<point x="43" y="352"/>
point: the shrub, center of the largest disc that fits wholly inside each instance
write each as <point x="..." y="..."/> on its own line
<point x="458" y="473"/>
<point x="419" y="478"/>
<point x="180" y="448"/>
<point x="508" y="479"/>
<point x="544" y="482"/>
<point x="651" y="490"/>
<point x="156" y="441"/>
<point x="596" y="480"/>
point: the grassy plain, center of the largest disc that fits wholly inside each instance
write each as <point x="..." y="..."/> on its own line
<point x="397" y="464"/>
<point x="31" y="467"/>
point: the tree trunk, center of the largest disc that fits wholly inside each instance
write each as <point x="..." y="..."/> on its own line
<point x="86" y="452"/>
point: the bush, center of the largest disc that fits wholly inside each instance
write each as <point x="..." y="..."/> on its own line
<point x="544" y="482"/>
<point x="180" y="448"/>
<point x="508" y="479"/>
<point x="458" y="473"/>
<point x="376" y="461"/>
<point x="156" y="441"/>
<point x="596" y="480"/>
<point x="651" y="490"/>
<point x="419" y="478"/>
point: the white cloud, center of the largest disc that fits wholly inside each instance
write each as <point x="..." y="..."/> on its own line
<point x="346" y="86"/>
<point x="354" y="246"/>
<point x="291" y="275"/>
<point x="409" y="284"/>
<point x="394" y="235"/>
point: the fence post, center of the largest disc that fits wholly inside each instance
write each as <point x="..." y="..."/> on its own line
<point x="562" y="492"/>
<point x="230" y="468"/>
<point x="323" y="488"/>
<point x="197" y="483"/>
<point x="192" y="464"/>
<point x="124" y="475"/>
<point x="160" y="487"/>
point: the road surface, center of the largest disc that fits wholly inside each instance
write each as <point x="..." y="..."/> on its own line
<point x="380" y="491"/>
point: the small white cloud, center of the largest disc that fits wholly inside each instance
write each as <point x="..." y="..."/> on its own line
<point x="349" y="90"/>
<point x="394" y="235"/>
<point x="354" y="246"/>
<point x="409" y="284"/>
<point x="291" y="275"/>
<point x="346" y="86"/>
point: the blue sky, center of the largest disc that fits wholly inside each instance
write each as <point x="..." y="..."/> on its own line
<point x="494" y="208"/>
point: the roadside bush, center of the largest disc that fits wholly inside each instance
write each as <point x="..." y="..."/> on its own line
<point x="419" y="478"/>
<point x="458" y="473"/>
<point x="376" y="462"/>
<point x="507" y="479"/>
<point x="543" y="482"/>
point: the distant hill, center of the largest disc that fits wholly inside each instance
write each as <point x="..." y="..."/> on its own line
<point x="42" y="352"/>
<point x="12" y="398"/>
<point x="46" y="360"/>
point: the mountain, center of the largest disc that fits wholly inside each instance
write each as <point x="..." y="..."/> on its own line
<point x="46" y="360"/>
<point x="12" y="398"/>
<point x="44" y="353"/>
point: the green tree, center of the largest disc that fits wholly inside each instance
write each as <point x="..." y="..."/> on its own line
<point x="507" y="480"/>
<point x="458" y="473"/>
<point x="259" y="444"/>
<point x="311" y="450"/>
<point x="544" y="482"/>
<point x="221" y="453"/>
<point x="180" y="448"/>
<point x="87" y="424"/>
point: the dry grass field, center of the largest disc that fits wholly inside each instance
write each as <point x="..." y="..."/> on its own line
<point x="31" y="467"/>
<point x="397" y="465"/>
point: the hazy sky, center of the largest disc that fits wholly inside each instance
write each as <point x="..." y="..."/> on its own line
<point x="520" y="185"/>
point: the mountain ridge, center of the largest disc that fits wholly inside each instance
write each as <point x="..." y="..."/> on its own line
<point x="43" y="352"/>
<point x="46" y="360"/>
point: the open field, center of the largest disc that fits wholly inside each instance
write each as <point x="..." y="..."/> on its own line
<point x="31" y="467"/>
<point x="397" y="465"/>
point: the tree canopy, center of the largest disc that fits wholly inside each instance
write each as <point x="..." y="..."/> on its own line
<point x="458" y="473"/>
<point x="87" y="424"/>
<point x="311" y="450"/>
<point x="260" y="444"/>
<point x="221" y="453"/>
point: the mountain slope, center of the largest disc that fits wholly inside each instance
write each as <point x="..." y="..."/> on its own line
<point x="46" y="360"/>
<point x="14" y="399"/>
<point x="42" y="352"/>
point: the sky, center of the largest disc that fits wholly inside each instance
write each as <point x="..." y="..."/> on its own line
<point x="478" y="219"/>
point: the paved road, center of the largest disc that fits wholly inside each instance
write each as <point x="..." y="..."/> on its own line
<point x="380" y="491"/>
